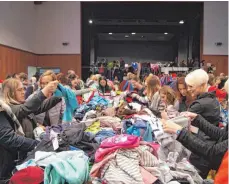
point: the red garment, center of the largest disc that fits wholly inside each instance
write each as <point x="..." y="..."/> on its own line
<point x="174" y="75"/>
<point x="111" y="144"/>
<point x="221" y="95"/>
<point x="101" y="70"/>
<point x="79" y="99"/>
<point x="129" y="99"/>
<point x="222" y="174"/>
<point x="29" y="175"/>
<point x="1" y="81"/>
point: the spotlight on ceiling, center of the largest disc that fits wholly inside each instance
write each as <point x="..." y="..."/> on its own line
<point x="110" y="33"/>
<point x="127" y="36"/>
<point x="90" y="21"/>
<point x="165" y="33"/>
<point x="181" y="22"/>
<point x="133" y="33"/>
<point x="143" y="36"/>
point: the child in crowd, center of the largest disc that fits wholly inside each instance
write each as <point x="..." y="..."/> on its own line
<point x="168" y="97"/>
<point x="104" y="88"/>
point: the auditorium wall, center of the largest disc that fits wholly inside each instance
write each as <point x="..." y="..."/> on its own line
<point x="32" y="35"/>
<point x="215" y="29"/>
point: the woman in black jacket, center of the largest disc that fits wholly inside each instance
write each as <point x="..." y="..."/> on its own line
<point x="12" y="141"/>
<point x="205" y="103"/>
<point x="14" y="96"/>
<point x="211" y="151"/>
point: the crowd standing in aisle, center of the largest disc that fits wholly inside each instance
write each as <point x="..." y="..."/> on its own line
<point x="123" y="125"/>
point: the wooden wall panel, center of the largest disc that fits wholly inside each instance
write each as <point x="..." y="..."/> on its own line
<point x="63" y="61"/>
<point x="15" y="61"/>
<point x="221" y="63"/>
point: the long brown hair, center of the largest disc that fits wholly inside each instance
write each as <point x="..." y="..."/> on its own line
<point x="189" y="98"/>
<point x="9" y="87"/>
<point x="169" y="93"/>
<point x="62" y="78"/>
<point x="153" y="85"/>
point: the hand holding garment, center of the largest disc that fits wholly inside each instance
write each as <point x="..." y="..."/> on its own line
<point x="168" y="144"/>
<point x="70" y="101"/>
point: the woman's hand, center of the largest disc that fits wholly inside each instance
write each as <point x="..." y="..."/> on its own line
<point x="164" y="115"/>
<point x="190" y="115"/>
<point x="170" y="127"/>
<point x="50" y="88"/>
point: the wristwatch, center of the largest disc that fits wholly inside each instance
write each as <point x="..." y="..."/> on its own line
<point x="178" y="132"/>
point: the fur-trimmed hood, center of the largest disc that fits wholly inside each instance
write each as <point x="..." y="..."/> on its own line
<point x="6" y="108"/>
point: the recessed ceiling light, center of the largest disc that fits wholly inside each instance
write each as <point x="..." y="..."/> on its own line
<point x="133" y="33"/>
<point x="181" y="22"/>
<point x="90" y="21"/>
<point x="165" y="33"/>
<point x="127" y="36"/>
<point x="110" y="33"/>
<point x="143" y="36"/>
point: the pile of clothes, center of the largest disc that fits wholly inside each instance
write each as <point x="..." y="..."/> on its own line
<point x="111" y="142"/>
<point x="126" y="159"/>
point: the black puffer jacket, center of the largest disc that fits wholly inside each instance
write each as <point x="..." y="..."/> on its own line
<point x="207" y="106"/>
<point x="26" y="112"/>
<point x="11" y="143"/>
<point x="211" y="151"/>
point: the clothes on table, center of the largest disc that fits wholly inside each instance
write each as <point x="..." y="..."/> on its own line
<point x="29" y="175"/>
<point x="66" y="166"/>
<point x="111" y="144"/>
<point x="169" y="144"/>
<point x="104" y="134"/>
<point x="72" y="169"/>
<point x="94" y="128"/>
<point x="138" y="128"/>
<point x="139" y="165"/>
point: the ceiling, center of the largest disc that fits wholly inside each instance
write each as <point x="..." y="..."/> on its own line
<point x="148" y="11"/>
<point x="135" y="37"/>
<point x="152" y="18"/>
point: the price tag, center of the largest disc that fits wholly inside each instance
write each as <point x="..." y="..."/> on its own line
<point x="53" y="137"/>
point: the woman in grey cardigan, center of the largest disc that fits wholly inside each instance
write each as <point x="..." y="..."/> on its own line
<point x="152" y="97"/>
<point x="25" y="111"/>
<point x="73" y="82"/>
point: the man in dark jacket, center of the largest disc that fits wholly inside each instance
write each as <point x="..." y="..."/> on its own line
<point x="11" y="142"/>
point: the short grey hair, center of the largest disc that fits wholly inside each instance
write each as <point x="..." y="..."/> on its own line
<point x="197" y="78"/>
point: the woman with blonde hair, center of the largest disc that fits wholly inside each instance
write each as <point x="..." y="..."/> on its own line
<point x="205" y="102"/>
<point x="14" y="96"/>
